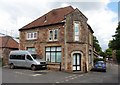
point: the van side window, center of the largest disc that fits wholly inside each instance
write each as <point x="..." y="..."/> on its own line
<point x="23" y="57"/>
<point x="29" y="57"/>
<point x="18" y="57"/>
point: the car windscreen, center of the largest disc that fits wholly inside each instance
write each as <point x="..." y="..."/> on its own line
<point x="100" y="62"/>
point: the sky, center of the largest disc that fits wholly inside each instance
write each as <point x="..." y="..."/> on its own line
<point x="102" y="15"/>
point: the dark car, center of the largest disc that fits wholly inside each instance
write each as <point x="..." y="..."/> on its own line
<point x="100" y="65"/>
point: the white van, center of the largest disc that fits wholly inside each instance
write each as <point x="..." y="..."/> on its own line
<point x="23" y="58"/>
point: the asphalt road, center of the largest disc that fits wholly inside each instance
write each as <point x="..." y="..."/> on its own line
<point x="46" y="76"/>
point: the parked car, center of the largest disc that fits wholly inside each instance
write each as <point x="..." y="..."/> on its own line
<point x="23" y="58"/>
<point x="100" y="65"/>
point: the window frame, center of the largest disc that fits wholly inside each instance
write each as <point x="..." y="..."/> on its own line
<point x="31" y="35"/>
<point x="53" y="51"/>
<point x="53" y="35"/>
<point x="56" y="35"/>
<point x="50" y="36"/>
<point x="76" y="35"/>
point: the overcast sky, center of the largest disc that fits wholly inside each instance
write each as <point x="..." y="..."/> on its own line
<point x="102" y="15"/>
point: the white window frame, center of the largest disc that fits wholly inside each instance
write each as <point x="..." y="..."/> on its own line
<point x="77" y="35"/>
<point x="31" y="35"/>
<point x="53" y="35"/>
<point x="49" y="58"/>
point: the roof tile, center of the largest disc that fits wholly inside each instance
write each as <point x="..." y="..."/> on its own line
<point x="52" y="17"/>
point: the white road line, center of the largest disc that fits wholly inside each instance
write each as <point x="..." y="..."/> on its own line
<point x="80" y="75"/>
<point x="28" y="74"/>
<point x="57" y="82"/>
<point x="70" y="76"/>
<point x="66" y="80"/>
<point x="36" y="74"/>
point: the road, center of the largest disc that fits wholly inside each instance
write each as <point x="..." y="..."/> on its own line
<point x="46" y="76"/>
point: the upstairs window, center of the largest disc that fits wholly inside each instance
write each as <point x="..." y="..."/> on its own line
<point x="56" y="34"/>
<point x="76" y="31"/>
<point x="31" y="35"/>
<point x="53" y="35"/>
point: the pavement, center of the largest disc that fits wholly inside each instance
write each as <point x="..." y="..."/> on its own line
<point x="23" y="75"/>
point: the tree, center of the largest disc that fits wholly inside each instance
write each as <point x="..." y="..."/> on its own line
<point x="108" y="52"/>
<point x="96" y="44"/>
<point x="116" y="39"/>
<point x="115" y="43"/>
<point x="102" y="54"/>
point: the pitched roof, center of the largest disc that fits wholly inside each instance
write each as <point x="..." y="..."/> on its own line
<point x="8" y="42"/>
<point x="52" y="17"/>
<point x="89" y="27"/>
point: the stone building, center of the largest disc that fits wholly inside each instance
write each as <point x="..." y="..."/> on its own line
<point x="62" y="37"/>
<point x="7" y="44"/>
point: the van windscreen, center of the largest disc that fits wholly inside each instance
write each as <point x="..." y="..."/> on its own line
<point x="35" y="56"/>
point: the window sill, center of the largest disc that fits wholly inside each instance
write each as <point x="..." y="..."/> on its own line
<point x="30" y="39"/>
<point x="52" y="41"/>
<point x="50" y="63"/>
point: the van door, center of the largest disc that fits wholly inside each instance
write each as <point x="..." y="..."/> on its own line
<point x="29" y="61"/>
<point x="19" y="60"/>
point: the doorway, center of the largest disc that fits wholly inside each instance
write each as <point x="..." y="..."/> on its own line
<point x="76" y="62"/>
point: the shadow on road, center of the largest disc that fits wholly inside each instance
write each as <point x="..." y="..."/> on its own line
<point x="96" y="70"/>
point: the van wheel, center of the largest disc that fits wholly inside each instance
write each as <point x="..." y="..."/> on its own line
<point x="11" y="66"/>
<point x="33" y="67"/>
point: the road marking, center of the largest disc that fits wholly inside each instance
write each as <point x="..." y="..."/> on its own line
<point x="70" y="76"/>
<point x="57" y="82"/>
<point x="66" y="80"/>
<point x="36" y="74"/>
<point x="27" y="74"/>
<point x="80" y="75"/>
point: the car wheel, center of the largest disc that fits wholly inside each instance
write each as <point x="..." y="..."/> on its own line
<point x="11" y="66"/>
<point x="33" y="67"/>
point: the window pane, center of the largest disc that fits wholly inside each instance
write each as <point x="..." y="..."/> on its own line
<point x="78" y="59"/>
<point x="48" y="49"/>
<point x="51" y="35"/>
<point x="58" y="57"/>
<point x="47" y="56"/>
<point x="76" y="38"/>
<point x="76" y="27"/>
<point x="23" y="57"/>
<point x="76" y="31"/>
<point x="31" y="49"/>
<point x="55" y="34"/>
<point x="53" y="48"/>
<point x="52" y="56"/>
<point x="58" y="48"/>
<point x="74" y="60"/>
<point x="35" y="35"/>
<point x="31" y="35"/>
